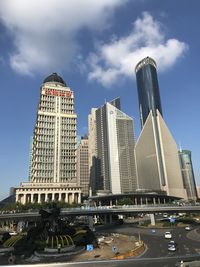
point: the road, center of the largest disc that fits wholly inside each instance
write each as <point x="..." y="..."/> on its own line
<point x="156" y="254"/>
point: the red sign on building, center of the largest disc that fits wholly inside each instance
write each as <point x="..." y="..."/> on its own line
<point x="55" y="92"/>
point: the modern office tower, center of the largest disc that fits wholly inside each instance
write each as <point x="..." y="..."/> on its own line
<point x="115" y="149"/>
<point x="94" y="168"/>
<point x="157" y="160"/>
<point x="82" y="166"/>
<point x="188" y="174"/>
<point x="148" y="89"/>
<point x="53" y="168"/>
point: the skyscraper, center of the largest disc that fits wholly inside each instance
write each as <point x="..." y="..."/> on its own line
<point x="115" y="149"/>
<point x="94" y="164"/>
<point x="188" y="174"/>
<point x="54" y="142"/>
<point x="53" y="165"/>
<point x="148" y="89"/>
<point x="82" y="166"/>
<point x="157" y="159"/>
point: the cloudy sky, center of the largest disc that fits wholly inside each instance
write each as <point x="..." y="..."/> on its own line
<point x="94" y="46"/>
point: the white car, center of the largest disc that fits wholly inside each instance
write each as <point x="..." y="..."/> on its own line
<point x="13" y="233"/>
<point x="188" y="228"/>
<point x="168" y="235"/>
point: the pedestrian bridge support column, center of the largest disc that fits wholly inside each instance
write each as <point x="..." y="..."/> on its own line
<point x="91" y="223"/>
<point x="152" y="217"/>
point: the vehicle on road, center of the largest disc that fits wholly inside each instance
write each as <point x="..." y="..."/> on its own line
<point x="13" y="233"/>
<point x="165" y="215"/>
<point x="172" y="246"/>
<point x="188" y="228"/>
<point x="168" y="235"/>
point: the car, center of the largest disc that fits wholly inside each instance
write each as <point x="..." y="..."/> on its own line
<point x="172" y="246"/>
<point x="188" y="228"/>
<point x="13" y="233"/>
<point x="168" y="235"/>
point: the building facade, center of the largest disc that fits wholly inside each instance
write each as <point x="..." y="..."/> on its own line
<point x="83" y="178"/>
<point x="53" y="160"/>
<point x="115" y="149"/>
<point x="157" y="160"/>
<point x="198" y="191"/>
<point x="30" y="159"/>
<point x="188" y="174"/>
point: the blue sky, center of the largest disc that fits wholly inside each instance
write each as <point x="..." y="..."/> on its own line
<point x="94" y="46"/>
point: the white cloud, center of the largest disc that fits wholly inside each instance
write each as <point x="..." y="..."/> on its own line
<point x="44" y="32"/>
<point x="119" y="57"/>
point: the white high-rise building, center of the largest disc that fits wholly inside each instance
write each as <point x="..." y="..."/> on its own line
<point x="115" y="150"/>
<point x="92" y="149"/>
<point x="53" y="166"/>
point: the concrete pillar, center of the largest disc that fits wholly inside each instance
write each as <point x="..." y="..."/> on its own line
<point x="164" y="200"/>
<point x="111" y="202"/>
<point x="154" y="201"/>
<point x="146" y="201"/>
<point x="39" y="198"/>
<point x="110" y="219"/>
<point x="24" y="199"/>
<point x="64" y="198"/>
<point x="91" y="223"/>
<point x="59" y="196"/>
<point x="72" y="197"/>
<point x="31" y="197"/>
<point x="46" y="197"/>
<point x="105" y="219"/>
<point x="152" y="217"/>
<point x="79" y="197"/>
<point x="141" y="201"/>
<point x="53" y="196"/>
<point x="136" y="201"/>
<point x="158" y="200"/>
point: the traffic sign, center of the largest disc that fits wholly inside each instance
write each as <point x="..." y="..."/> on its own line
<point x="90" y="247"/>
<point x="114" y="249"/>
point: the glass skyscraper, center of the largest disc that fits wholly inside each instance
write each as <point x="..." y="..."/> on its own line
<point x="148" y="89"/>
<point x="188" y="174"/>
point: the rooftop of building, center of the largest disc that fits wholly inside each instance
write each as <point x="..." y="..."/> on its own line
<point x="54" y="77"/>
<point x="145" y="61"/>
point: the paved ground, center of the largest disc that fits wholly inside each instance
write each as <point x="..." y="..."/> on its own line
<point x="110" y="246"/>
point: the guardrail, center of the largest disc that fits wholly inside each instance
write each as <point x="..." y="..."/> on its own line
<point x="106" y="210"/>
